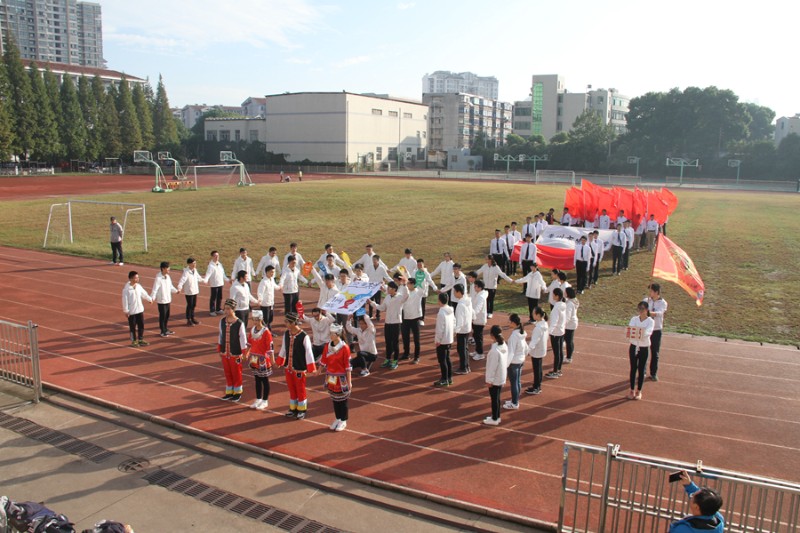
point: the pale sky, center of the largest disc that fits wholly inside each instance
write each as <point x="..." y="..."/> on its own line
<point x="215" y="52"/>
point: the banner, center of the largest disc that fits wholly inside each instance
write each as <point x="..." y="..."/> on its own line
<point x="351" y="298"/>
<point x="673" y="264"/>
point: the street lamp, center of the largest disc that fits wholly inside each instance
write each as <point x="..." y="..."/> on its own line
<point x="534" y="158"/>
<point x="738" y="164"/>
<point x="634" y="160"/>
<point x="681" y="162"/>
<point x="508" y="159"/>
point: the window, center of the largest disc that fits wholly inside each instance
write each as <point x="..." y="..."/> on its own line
<point x="224" y="135"/>
<point x="392" y="113"/>
<point x="407" y="115"/>
<point x="379" y="153"/>
<point x="377" y="112"/>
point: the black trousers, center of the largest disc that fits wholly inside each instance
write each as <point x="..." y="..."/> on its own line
<point x="269" y="314"/>
<point x="191" y="303"/>
<point x="490" y="300"/>
<point x="163" y="317"/>
<point x="408" y="328"/>
<point x="655" y="350"/>
<point x="477" y="334"/>
<point x="494" y="394"/>
<point x="445" y="365"/>
<point x="638" y="359"/>
<point x="215" y="302"/>
<point x="461" y="348"/>
<point x="580" y="273"/>
<point x="558" y="355"/>
<point x="116" y="250"/>
<point x="391" y="334"/>
<point x="616" y="259"/>
<point x="136" y="325"/>
<point x="340" y="409"/>
<point x="244" y="316"/>
<point x="569" y="340"/>
<point x="532" y="303"/>
<point x="290" y="302"/>
<point x="262" y="388"/>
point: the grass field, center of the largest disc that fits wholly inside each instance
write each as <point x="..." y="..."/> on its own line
<point x="745" y="245"/>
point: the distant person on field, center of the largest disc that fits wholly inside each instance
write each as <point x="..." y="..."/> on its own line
<point x="704" y="504"/>
<point x="116" y="241"/>
<point x="132" y="295"/>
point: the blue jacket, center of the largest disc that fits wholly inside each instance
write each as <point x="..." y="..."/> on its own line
<point x="693" y="524"/>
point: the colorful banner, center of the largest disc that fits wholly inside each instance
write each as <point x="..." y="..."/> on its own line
<point x="351" y="298"/>
<point x="673" y="264"/>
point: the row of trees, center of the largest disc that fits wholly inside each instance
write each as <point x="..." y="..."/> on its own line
<point x="47" y="120"/>
<point x="707" y="124"/>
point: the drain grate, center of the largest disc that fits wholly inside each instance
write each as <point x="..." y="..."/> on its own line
<point x="58" y="439"/>
<point x="236" y="504"/>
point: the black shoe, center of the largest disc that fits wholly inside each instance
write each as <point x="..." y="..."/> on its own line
<point x="236" y="397"/>
<point x="301" y="415"/>
<point x="291" y="413"/>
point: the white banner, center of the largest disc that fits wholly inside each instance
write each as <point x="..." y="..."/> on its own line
<point x="351" y="298"/>
<point x="567" y="236"/>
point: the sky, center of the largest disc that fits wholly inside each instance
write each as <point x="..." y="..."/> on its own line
<point x="212" y="52"/>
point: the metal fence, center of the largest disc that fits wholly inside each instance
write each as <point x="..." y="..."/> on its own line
<point x="19" y="356"/>
<point x="608" y="490"/>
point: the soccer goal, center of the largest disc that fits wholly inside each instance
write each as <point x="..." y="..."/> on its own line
<point x="555" y="176"/>
<point x="84" y="225"/>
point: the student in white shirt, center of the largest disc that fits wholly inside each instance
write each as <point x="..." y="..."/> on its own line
<point x="537" y="349"/>
<point x="638" y="333"/>
<point x="658" y="308"/>
<point x="556" y="327"/>
<point x="393" y="306"/>
<point x="496" y="373"/>
<point x="498" y="249"/>
<point x="266" y="295"/>
<point x="517" y="350"/>
<point x="162" y="293"/>
<point x="132" y="296"/>
<point x="534" y="285"/>
<point x="215" y="278"/>
<point x="412" y="313"/>
<point x="490" y="272"/>
<point x="243" y="262"/>
<point x="479" y="298"/>
<point x="443" y="338"/>
<point x="240" y="293"/>
<point x="299" y="261"/>
<point x="270" y="259"/>
<point x="367" y="350"/>
<point x="571" y="322"/>
<point x="604" y="221"/>
<point x="190" y="285"/>
<point x="463" y="313"/>
<point x="652" y="232"/>
<point x="290" y="285"/>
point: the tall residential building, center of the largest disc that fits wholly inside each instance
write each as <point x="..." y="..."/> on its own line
<point x="785" y="126"/>
<point x="456" y="119"/>
<point x="443" y="81"/>
<point x="56" y="31"/>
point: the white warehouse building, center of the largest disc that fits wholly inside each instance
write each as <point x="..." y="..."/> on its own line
<point x="347" y="128"/>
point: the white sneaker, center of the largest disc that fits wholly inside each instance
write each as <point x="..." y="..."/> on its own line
<point x="342" y="425"/>
<point x="365" y="372"/>
<point x="489" y="421"/>
<point x="335" y="424"/>
<point x="509" y="405"/>
<point x="263" y="405"/>
<point x="255" y="404"/>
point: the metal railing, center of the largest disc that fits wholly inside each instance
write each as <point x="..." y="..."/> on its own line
<point x="607" y="490"/>
<point x="19" y="356"/>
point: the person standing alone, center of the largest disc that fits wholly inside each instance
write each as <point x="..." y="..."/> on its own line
<point x="116" y="241"/>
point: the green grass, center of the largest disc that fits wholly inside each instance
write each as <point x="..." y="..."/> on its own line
<point x="746" y="246"/>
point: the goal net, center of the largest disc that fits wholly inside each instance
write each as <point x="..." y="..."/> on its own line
<point x="83" y="227"/>
<point x="555" y="176"/>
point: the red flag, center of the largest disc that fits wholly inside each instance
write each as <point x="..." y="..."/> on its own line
<point x="673" y="264"/>
<point x="670" y="199"/>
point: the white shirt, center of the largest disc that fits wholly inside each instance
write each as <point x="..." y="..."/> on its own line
<point x="245" y="264"/>
<point x="445" y="325"/>
<point x="479" y="310"/>
<point x="517" y="347"/>
<point x="582" y="253"/>
<point x="498" y="246"/>
<point x="490" y="275"/>
<point x="365" y="337"/>
<point x="535" y="283"/>
<point x="240" y="292"/>
<point x="412" y="308"/>
<point x="132" y="296"/>
<point x="191" y="280"/>
<point x="572" y="314"/>
<point x="657" y="310"/>
<point x="215" y="274"/>
<point x="647" y="325"/>
<point x="497" y="364"/>
<point x="464" y="316"/>
<point x="290" y="279"/>
<point x="558" y="318"/>
<point x="265" y="262"/>
<point x="527" y="252"/>
<point x="603" y="222"/>
<point x="162" y="289"/>
<point x="537" y="347"/>
<point x="266" y="291"/>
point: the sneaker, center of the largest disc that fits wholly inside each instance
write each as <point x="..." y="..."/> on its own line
<point x="509" y="405"/>
<point x="638" y="395"/>
<point x="342" y="426"/>
<point x="386" y="363"/>
<point x="135" y="344"/>
<point x="263" y="405"/>
<point x="335" y="424"/>
<point x="227" y="397"/>
<point x="441" y="383"/>
<point x="236" y="397"/>
<point x="365" y="372"/>
<point x="144" y="343"/>
<point x="551" y="375"/>
<point x="195" y="322"/>
<point x="163" y="335"/>
<point x="255" y="404"/>
<point x="170" y="332"/>
<point x="301" y="415"/>
<point x="415" y="361"/>
<point x="291" y="413"/>
<point x="489" y="421"/>
<point x="478" y="357"/>
<point x="653" y="377"/>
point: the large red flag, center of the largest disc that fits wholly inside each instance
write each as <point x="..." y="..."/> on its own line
<point x="673" y="264"/>
<point x="670" y="199"/>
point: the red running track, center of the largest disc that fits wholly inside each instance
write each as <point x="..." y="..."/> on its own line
<point x="733" y="405"/>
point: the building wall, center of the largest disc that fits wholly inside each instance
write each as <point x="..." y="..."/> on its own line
<point x="785" y="126"/>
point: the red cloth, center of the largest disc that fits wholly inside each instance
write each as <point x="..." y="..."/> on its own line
<point x="673" y="264"/>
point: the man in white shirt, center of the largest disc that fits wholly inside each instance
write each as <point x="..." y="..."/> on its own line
<point x="581" y="260"/>
<point x="295" y="254"/>
<point x="463" y="314"/>
<point x="132" y="296"/>
<point x="215" y="278"/>
<point x="162" y="293"/>
<point x="243" y="262"/>
<point x="270" y="259"/>
<point x="498" y="249"/>
<point x="652" y="232"/>
<point x="566" y="218"/>
<point x="604" y="221"/>
<point x="266" y="295"/>
<point x="290" y="285"/>
<point x="190" y="285"/>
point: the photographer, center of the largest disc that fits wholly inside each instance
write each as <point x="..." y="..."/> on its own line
<point x="704" y="506"/>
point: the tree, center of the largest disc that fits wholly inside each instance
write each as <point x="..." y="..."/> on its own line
<point x="45" y="137"/>
<point x="6" y="122"/>
<point x="144" y="111"/>
<point x="91" y="117"/>
<point x="166" y="133"/>
<point x="73" y="129"/>
<point x="109" y="121"/>
<point x="20" y="99"/>
<point x="130" y="133"/>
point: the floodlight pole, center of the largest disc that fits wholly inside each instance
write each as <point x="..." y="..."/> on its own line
<point x="738" y="164"/>
<point x="634" y="159"/>
<point x="534" y="158"/>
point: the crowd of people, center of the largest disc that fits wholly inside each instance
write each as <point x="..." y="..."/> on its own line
<point x="313" y="341"/>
